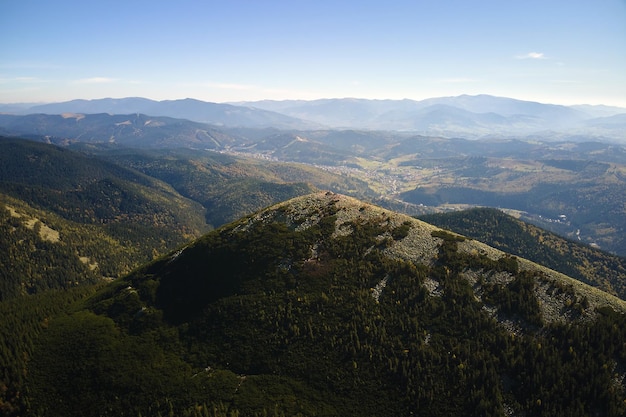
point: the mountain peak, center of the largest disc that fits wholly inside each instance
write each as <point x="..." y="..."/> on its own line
<point x="310" y="233"/>
<point x="325" y="305"/>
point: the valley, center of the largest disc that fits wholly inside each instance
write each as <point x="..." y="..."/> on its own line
<point x="546" y="192"/>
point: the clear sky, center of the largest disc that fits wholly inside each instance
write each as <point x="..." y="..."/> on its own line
<point x="553" y="51"/>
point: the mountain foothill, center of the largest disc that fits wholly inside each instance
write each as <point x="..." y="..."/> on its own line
<point x="460" y="256"/>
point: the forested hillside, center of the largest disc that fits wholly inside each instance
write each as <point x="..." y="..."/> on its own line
<point x="132" y="130"/>
<point x="229" y="187"/>
<point x="504" y="232"/>
<point x="41" y="251"/>
<point x="89" y="190"/>
<point x="70" y="218"/>
<point x="23" y="321"/>
<point x="328" y="306"/>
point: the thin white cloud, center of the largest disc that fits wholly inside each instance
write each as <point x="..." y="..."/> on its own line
<point x="22" y="80"/>
<point x="458" y="80"/>
<point x="27" y="79"/>
<point x="531" y="55"/>
<point x="95" y="80"/>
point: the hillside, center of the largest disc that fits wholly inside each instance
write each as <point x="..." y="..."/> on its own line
<point x="82" y="213"/>
<point x="60" y="206"/>
<point x="504" y="232"/>
<point x="227" y="186"/>
<point x="325" y="305"/>
<point x="130" y="130"/>
<point x="583" y="180"/>
<point x="42" y="251"/>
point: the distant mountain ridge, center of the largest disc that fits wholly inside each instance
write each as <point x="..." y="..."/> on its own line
<point x="190" y="109"/>
<point x="468" y="116"/>
<point x="465" y="115"/>
<point x="134" y="129"/>
<point x="323" y="146"/>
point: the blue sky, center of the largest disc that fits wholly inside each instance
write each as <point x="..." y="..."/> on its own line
<point x="564" y="52"/>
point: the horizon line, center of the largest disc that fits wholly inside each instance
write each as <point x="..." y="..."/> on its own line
<point x="38" y="103"/>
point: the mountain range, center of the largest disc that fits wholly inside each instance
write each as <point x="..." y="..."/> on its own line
<point x="464" y="116"/>
<point x="219" y="114"/>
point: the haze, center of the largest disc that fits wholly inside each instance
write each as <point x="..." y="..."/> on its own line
<point x="562" y="52"/>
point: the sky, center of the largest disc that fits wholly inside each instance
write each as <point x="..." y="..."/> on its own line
<point x="551" y="51"/>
